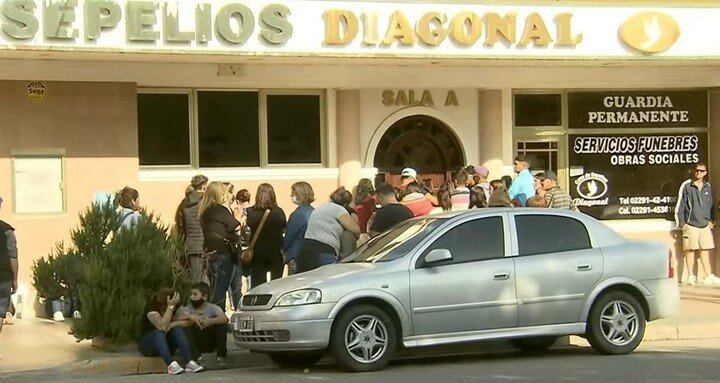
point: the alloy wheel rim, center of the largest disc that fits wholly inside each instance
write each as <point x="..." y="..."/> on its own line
<point x="366" y="339"/>
<point x="619" y="323"/>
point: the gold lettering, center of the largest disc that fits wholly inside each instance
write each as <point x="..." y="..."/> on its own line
<point x="399" y="29"/>
<point x="370" y="28"/>
<point x="466" y="28"/>
<point x="565" y="37"/>
<point x="451" y="99"/>
<point x="427" y="99"/>
<point x="388" y="97"/>
<point x="535" y="30"/>
<point x="497" y="27"/>
<point x="435" y="36"/>
<point x="401" y="99"/>
<point x="335" y="19"/>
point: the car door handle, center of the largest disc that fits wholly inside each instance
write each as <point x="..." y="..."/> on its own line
<point x="584" y="267"/>
<point x="501" y="275"/>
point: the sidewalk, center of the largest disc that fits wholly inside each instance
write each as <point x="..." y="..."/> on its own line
<point x="36" y="347"/>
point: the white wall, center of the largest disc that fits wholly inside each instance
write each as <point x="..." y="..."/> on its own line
<point x="376" y="118"/>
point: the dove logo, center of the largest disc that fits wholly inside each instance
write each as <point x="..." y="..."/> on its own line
<point x="650" y="32"/>
<point x="592" y="186"/>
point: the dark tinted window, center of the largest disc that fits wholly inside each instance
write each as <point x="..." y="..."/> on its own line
<point x="477" y="240"/>
<point x="163" y="129"/>
<point x="538" y="110"/>
<point x="540" y="234"/>
<point x="293" y="129"/>
<point x="228" y="126"/>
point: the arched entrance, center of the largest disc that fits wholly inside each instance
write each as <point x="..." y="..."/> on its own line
<point x="420" y="142"/>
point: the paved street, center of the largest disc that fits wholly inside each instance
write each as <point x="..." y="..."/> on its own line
<point x="668" y="361"/>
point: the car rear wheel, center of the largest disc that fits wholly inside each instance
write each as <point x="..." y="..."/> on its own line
<point x="363" y="339"/>
<point x="292" y="360"/>
<point x="616" y="324"/>
<point x="537" y="344"/>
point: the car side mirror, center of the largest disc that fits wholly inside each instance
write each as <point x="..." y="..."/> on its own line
<point x="438" y="255"/>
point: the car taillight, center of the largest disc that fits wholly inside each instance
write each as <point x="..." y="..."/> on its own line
<point x="671" y="269"/>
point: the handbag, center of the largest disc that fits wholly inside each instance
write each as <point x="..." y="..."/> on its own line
<point x="247" y="255"/>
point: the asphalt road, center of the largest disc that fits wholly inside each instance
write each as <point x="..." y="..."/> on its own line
<point x="671" y="361"/>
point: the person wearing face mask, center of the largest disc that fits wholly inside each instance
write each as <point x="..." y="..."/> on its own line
<point x="302" y="195"/>
<point x="206" y="324"/>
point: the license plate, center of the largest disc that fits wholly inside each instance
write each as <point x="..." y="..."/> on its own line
<point x="245" y="324"/>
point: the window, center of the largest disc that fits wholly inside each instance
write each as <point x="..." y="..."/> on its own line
<point x="293" y="129"/>
<point x="163" y="129"/>
<point x="542" y="155"/>
<point x="396" y="243"/>
<point x="211" y="129"/>
<point x="538" y="110"/>
<point x="477" y="240"/>
<point x="38" y="182"/>
<point x="542" y="234"/>
<point x="228" y="127"/>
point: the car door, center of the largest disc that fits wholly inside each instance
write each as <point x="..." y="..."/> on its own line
<point x="475" y="290"/>
<point x="556" y="268"/>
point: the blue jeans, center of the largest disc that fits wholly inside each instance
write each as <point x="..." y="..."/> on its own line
<point x="164" y="345"/>
<point x="327" y="259"/>
<point x="221" y="273"/>
<point x="235" y="291"/>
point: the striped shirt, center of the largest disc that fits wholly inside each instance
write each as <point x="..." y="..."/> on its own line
<point x="460" y="198"/>
<point x="558" y="199"/>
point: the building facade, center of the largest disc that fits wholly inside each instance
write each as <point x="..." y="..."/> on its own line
<point x="617" y="97"/>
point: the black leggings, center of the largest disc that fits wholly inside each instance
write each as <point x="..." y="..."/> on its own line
<point x="261" y="265"/>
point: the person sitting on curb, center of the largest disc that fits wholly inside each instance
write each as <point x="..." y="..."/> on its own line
<point x="163" y="332"/>
<point x="207" y="324"/>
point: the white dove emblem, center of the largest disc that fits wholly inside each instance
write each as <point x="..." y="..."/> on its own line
<point x="653" y="32"/>
<point x="592" y="188"/>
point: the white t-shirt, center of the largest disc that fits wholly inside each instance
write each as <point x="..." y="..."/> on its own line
<point x="324" y="226"/>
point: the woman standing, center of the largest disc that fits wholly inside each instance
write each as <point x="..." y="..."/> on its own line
<point x="163" y="333"/>
<point x="268" y="246"/>
<point x="364" y="203"/>
<point x="302" y="195"/>
<point x="322" y="242"/>
<point x="219" y="226"/>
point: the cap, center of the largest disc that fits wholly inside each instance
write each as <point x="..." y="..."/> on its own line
<point x="547" y="176"/>
<point x="482" y="171"/>
<point x="409" y="172"/>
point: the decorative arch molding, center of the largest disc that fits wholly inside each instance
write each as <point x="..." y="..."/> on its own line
<point x="450" y="123"/>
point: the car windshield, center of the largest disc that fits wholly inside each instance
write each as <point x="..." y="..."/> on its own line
<point x="396" y="242"/>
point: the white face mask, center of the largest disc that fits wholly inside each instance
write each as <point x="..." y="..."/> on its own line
<point x="295" y="200"/>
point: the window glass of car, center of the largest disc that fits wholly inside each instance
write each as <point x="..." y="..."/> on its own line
<point x="396" y="242"/>
<point x="476" y="240"/>
<point x="541" y="234"/>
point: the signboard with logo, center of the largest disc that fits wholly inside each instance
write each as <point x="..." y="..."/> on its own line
<point x="359" y="28"/>
<point x="638" y="109"/>
<point x="628" y="176"/>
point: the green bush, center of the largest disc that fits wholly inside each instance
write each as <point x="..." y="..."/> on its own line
<point x="135" y="264"/>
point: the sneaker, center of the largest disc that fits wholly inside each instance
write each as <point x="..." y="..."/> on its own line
<point x="9" y="318"/>
<point x="59" y="317"/>
<point x="691" y="281"/>
<point x="175" y="369"/>
<point x="192" y="366"/>
<point x="77" y="315"/>
<point x="221" y="363"/>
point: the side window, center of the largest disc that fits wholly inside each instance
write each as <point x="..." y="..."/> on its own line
<point x="540" y="234"/>
<point x="477" y="240"/>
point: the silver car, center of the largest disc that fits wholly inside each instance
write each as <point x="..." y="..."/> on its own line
<point x="529" y="275"/>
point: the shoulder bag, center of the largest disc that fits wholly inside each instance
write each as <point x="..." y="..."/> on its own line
<point x="247" y="254"/>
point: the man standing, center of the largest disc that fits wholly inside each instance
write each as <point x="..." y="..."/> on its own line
<point x="695" y="216"/>
<point x="410" y="175"/>
<point x="481" y="179"/>
<point x="391" y="213"/>
<point x="8" y="267"/>
<point x="556" y="197"/>
<point x="522" y="187"/>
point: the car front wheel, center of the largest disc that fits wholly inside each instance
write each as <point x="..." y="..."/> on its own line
<point x="616" y="324"/>
<point x="363" y="339"/>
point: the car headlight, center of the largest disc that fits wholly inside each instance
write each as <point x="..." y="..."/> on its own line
<point x="299" y="298"/>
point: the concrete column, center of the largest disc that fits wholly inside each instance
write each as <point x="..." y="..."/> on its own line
<point x="495" y="125"/>
<point x="332" y="130"/>
<point x="714" y="160"/>
<point x="348" y="142"/>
